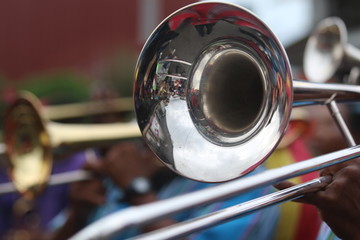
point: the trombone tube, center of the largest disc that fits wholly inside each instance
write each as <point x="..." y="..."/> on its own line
<point x="200" y="223"/>
<point x="310" y="93"/>
<point x="351" y="55"/>
<point x="140" y="215"/>
<point x="7" y="187"/>
<point x="74" y="110"/>
<point x="72" y="134"/>
<point x="339" y="120"/>
<point x="55" y="179"/>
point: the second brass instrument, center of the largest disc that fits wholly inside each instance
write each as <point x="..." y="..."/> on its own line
<point x="31" y="140"/>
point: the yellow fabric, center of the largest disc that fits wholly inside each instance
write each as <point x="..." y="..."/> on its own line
<point x="289" y="211"/>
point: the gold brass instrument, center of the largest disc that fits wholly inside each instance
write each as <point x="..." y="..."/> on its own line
<point x="31" y="140"/>
<point x="328" y="53"/>
<point x="213" y="94"/>
<point x="74" y="110"/>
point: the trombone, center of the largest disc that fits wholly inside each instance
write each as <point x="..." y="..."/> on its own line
<point x="328" y="53"/>
<point x="74" y="110"/>
<point x="214" y="77"/>
<point x="31" y="140"/>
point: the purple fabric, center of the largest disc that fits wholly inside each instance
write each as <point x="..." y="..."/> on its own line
<point x="48" y="204"/>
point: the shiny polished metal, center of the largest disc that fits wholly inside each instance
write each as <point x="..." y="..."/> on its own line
<point x="213" y="91"/>
<point x="76" y="110"/>
<point x="147" y="213"/>
<point x="213" y="94"/>
<point x="54" y="179"/>
<point x="328" y="52"/>
<point x="183" y="229"/>
<point x="31" y="140"/>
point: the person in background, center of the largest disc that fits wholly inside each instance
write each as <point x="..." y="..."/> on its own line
<point x="27" y="218"/>
<point x="127" y="161"/>
<point x="24" y="219"/>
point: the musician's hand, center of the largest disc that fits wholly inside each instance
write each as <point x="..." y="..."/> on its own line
<point x="125" y="161"/>
<point x="85" y="195"/>
<point x="339" y="202"/>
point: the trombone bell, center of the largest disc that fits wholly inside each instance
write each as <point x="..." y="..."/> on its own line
<point x="28" y="147"/>
<point x="212" y="91"/>
<point x="328" y="53"/>
<point x="324" y="51"/>
<point x="31" y="139"/>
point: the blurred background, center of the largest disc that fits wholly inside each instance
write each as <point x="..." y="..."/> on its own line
<point x="68" y="47"/>
<point x="64" y="48"/>
<point x="63" y="51"/>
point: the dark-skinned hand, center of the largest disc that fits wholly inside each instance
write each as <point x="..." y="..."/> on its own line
<point x="125" y="161"/>
<point x="339" y="202"/>
<point x="85" y="195"/>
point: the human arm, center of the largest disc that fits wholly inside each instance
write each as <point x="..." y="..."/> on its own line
<point x="339" y="202"/>
<point x="84" y="197"/>
<point x="128" y="161"/>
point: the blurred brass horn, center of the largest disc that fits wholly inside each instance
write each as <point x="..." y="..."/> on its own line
<point x="75" y="110"/>
<point x="31" y="140"/>
<point x="328" y="52"/>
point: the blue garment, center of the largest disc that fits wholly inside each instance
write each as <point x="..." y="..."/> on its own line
<point x="325" y="233"/>
<point x="259" y="225"/>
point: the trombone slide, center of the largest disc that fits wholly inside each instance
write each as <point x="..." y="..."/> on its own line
<point x="74" y="110"/>
<point x="141" y="215"/>
<point x="200" y="223"/>
<point x="55" y="179"/>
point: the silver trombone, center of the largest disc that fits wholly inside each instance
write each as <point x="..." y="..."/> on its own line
<point x="214" y="77"/>
<point x="328" y="52"/>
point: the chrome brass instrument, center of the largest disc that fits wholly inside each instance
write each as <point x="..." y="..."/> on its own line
<point x="31" y="140"/>
<point x="231" y="97"/>
<point x="213" y="94"/>
<point x="328" y="52"/>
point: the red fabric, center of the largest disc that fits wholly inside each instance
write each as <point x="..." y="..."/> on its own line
<point x="309" y="222"/>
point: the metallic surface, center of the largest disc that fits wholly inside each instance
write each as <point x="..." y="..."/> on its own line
<point x="31" y="141"/>
<point x="339" y="120"/>
<point x="179" y="92"/>
<point x="74" y="110"/>
<point x="143" y="214"/>
<point x="183" y="229"/>
<point x="55" y="179"/>
<point x="212" y="91"/>
<point x="328" y="51"/>
<point x="309" y="93"/>
<point x="28" y="146"/>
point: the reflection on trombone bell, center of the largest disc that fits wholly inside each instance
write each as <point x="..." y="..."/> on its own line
<point x="235" y="108"/>
<point x="223" y="111"/>
<point x="328" y="53"/>
<point x="31" y="141"/>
